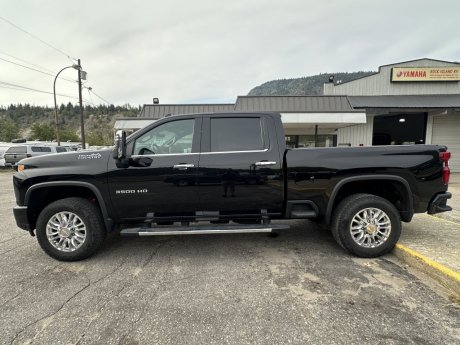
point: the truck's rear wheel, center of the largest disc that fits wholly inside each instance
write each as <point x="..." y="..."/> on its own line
<point x="366" y="225"/>
<point x="70" y="229"/>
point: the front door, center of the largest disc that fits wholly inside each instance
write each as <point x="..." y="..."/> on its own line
<point x="161" y="178"/>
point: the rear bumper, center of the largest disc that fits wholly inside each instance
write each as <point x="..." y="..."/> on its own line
<point x="20" y="215"/>
<point x="439" y="203"/>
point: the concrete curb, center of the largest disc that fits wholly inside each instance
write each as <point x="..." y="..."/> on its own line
<point x="444" y="275"/>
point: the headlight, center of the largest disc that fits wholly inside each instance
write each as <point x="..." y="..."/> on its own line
<point x="22" y="167"/>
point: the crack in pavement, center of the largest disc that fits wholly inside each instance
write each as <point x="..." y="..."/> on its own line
<point x="26" y="279"/>
<point x="115" y="296"/>
<point x="10" y="250"/>
<point x="111" y="272"/>
<point x="141" y="314"/>
<point x="153" y="253"/>
<point x="99" y="314"/>
<point x="89" y="284"/>
<point x="10" y="239"/>
<point x="50" y="315"/>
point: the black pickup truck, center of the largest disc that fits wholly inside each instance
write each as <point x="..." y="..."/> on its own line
<point x="226" y="173"/>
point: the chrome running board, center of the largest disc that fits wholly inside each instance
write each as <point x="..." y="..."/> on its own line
<point x="204" y="230"/>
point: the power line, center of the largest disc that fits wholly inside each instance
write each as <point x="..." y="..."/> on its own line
<point x="24" y="88"/>
<point x="89" y="93"/>
<point x="88" y="102"/>
<point x="19" y="87"/>
<point x="36" y="70"/>
<point x="35" y="65"/>
<point x="37" y="38"/>
<point x="95" y="94"/>
<point x="27" y="62"/>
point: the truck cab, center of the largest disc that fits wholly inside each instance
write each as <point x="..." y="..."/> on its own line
<point x="188" y="164"/>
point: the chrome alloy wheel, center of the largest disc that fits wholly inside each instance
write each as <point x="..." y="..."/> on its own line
<point x="66" y="231"/>
<point x="370" y="227"/>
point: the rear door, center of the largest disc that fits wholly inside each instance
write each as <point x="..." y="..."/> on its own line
<point x="240" y="165"/>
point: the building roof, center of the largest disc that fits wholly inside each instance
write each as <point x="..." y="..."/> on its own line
<point x="416" y="60"/>
<point x="288" y="104"/>
<point x="157" y="111"/>
<point x="406" y="101"/>
<point x="285" y="104"/>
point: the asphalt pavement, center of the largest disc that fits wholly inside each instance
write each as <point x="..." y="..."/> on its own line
<point x="297" y="288"/>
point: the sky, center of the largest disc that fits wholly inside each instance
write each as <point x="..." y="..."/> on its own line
<point x="208" y="51"/>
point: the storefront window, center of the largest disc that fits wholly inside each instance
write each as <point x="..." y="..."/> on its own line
<point x="401" y="129"/>
<point x="327" y="140"/>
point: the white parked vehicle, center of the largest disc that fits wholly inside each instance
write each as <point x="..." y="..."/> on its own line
<point x="3" y="148"/>
<point x="17" y="152"/>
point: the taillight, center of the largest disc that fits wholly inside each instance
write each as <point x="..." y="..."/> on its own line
<point x="445" y="156"/>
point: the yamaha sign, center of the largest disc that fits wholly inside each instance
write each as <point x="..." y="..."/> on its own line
<point x="425" y="74"/>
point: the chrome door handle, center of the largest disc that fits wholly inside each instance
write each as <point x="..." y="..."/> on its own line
<point x="264" y="163"/>
<point x="183" y="166"/>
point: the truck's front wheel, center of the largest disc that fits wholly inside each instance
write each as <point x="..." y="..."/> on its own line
<point x="70" y="229"/>
<point x="366" y="225"/>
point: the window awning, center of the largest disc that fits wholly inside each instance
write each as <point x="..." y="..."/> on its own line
<point x="134" y="123"/>
<point x="324" y="120"/>
<point x="406" y="101"/>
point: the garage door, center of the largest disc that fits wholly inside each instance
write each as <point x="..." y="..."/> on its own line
<point x="446" y="131"/>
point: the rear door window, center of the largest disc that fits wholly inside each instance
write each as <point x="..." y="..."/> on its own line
<point x="60" y="149"/>
<point x="17" y="149"/>
<point x="40" y="149"/>
<point x="236" y="134"/>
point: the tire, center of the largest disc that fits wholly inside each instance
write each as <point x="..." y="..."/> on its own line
<point x="75" y="227"/>
<point x="366" y="225"/>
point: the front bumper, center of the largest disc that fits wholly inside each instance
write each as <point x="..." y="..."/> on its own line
<point x="22" y="220"/>
<point x="439" y="203"/>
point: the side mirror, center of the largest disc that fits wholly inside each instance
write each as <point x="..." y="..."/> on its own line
<point x="120" y="145"/>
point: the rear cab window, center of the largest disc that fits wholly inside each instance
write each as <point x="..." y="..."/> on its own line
<point x="236" y="134"/>
<point x="17" y="149"/>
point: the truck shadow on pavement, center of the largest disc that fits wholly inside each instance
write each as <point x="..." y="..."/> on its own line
<point x="303" y="235"/>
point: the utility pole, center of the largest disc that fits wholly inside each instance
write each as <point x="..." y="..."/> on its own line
<point x="56" y="120"/>
<point x="82" y="123"/>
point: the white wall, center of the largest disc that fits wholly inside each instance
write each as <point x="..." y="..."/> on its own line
<point x="357" y="134"/>
<point x="445" y="131"/>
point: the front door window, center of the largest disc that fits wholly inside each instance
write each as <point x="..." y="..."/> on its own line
<point x="173" y="137"/>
